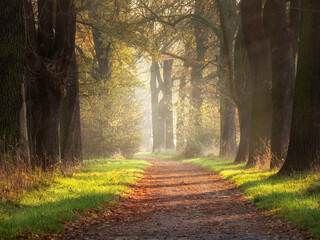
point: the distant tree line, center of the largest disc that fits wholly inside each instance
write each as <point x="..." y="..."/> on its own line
<point x="215" y="67"/>
<point x="265" y="56"/>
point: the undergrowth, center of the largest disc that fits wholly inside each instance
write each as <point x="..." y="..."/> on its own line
<point x="45" y="208"/>
<point x="296" y="198"/>
<point x="16" y="177"/>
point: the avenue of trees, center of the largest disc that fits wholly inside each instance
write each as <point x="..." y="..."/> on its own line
<point x="240" y="74"/>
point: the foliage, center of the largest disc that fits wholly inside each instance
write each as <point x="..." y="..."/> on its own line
<point x="111" y="123"/>
<point x="44" y="210"/>
<point x="111" y="115"/>
<point x="296" y="198"/>
<point x="198" y="139"/>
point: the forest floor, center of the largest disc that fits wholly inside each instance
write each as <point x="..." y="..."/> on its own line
<point x="176" y="200"/>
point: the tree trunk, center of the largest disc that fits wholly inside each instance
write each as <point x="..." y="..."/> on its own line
<point x="162" y="108"/>
<point x="283" y="79"/>
<point x="196" y="93"/>
<point x="70" y="132"/>
<point x="228" y="19"/>
<point x="12" y="52"/>
<point x="295" y="22"/>
<point x="198" y="66"/>
<point x="54" y="48"/>
<point x="158" y="108"/>
<point x="242" y="87"/>
<point x="228" y="144"/>
<point x="154" y="106"/>
<point x="101" y="46"/>
<point x="167" y="89"/>
<point x="258" y="47"/>
<point x="227" y="14"/>
<point x="181" y="114"/>
<point x="304" y="147"/>
<point x="162" y="125"/>
<point x="244" y="112"/>
<point x="24" y="150"/>
<point x="48" y="131"/>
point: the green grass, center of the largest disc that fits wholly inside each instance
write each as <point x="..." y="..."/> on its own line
<point x="45" y="210"/>
<point x="157" y="155"/>
<point x="296" y="198"/>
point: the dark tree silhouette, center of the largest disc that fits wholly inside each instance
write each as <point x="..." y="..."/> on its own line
<point x="70" y="137"/>
<point x="51" y="39"/>
<point x="242" y="89"/>
<point x="283" y="40"/>
<point x="258" y="47"/>
<point x="304" y="146"/>
<point x="12" y="54"/>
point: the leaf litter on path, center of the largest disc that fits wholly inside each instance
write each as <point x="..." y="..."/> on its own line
<point x="178" y="200"/>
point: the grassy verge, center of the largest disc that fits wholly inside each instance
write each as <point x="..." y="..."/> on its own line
<point x="44" y="210"/>
<point x="296" y="198"/>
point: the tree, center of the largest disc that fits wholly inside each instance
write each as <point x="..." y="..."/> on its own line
<point x="180" y="109"/>
<point x="158" y="122"/>
<point x="304" y="146"/>
<point x="228" y="144"/>
<point x="161" y="101"/>
<point x="242" y="90"/>
<point x="167" y="92"/>
<point x="193" y="146"/>
<point x="258" y="48"/>
<point x="198" y="65"/>
<point x="52" y="43"/>
<point x="70" y="137"/>
<point x="239" y="75"/>
<point x="12" y="56"/>
<point x="102" y="43"/>
<point x="282" y="38"/>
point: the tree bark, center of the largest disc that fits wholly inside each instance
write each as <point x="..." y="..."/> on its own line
<point x="154" y="107"/>
<point x="158" y="108"/>
<point x="295" y="22"/>
<point x="181" y="114"/>
<point x="48" y="132"/>
<point x="304" y="147"/>
<point x="227" y="14"/>
<point x="198" y="66"/>
<point x="167" y="92"/>
<point x="162" y="110"/>
<point x="12" y="51"/>
<point x="228" y="144"/>
<point x="101" y="46"/>
<point x="54" y="45"/>
<point x="242" y="87"/>
<point x="70" y="130"/>
<point x="228" y="19"/>
<point x="283" y="79"/>
<point x="258" y="47"/>
<point x="24" y="150"/>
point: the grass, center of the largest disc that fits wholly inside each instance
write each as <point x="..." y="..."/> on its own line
<point x="46" y="209"/>
<point x="157" y="155"/>
<point x="296" y="198"/>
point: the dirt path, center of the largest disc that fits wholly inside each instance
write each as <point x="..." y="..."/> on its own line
<point x="180" y="201"/>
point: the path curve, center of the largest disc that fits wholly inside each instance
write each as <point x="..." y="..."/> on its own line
<point x="176" y="200"/>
